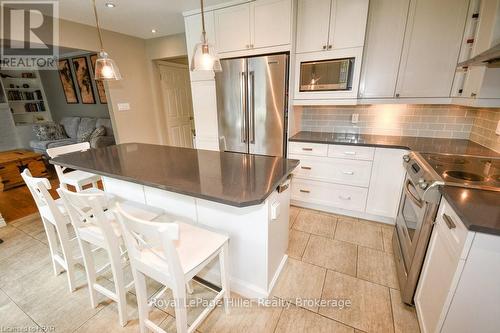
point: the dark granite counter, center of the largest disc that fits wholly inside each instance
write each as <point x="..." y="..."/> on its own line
<point x="479" y="210"/>
<point x="419" y="144"/>
<point x="230" y="178"/>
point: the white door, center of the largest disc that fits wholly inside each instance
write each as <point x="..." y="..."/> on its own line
<point x="232" y="28"/>
<point x="313" y="20"/>
<point x="177" y="104"/>
<point x="272" y="22"/>
<point x="384" y="41"/>
<point x="431" y="48"/>
<point x="347" y="23"/>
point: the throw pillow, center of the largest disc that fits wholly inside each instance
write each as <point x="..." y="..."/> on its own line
<point x="49" y="131"/>
<point x="85" y="135"/>
<point x="99" y="131"/>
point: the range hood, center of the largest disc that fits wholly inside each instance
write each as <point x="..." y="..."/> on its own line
<point x="489" y="58"/>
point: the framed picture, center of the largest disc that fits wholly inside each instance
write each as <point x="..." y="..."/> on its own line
<point x="67" y="81"/>
<point x="100" y="85"/>
<point x="83" y="80"/>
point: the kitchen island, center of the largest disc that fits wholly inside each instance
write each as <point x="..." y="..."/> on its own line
<point x="232" y="193"/>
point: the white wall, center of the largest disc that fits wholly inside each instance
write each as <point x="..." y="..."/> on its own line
<point x="8" y="135"/>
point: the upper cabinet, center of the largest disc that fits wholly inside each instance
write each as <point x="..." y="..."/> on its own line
<point x="431" y="47"/>
<point x="254" y="25"/>
<point x="330" y="24"/>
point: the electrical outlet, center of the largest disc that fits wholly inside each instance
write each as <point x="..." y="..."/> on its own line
<point x="355" y="118"/>
<point x="498" y="128"/>
<point x="123" y="106"/>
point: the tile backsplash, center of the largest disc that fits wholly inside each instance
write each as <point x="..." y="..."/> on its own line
<point x="435" y="121"/>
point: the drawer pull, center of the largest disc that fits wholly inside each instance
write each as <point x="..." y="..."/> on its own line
<point x="307" y="149"/>
<point x="350" y="153"/>
<point x="305" y="191"/>
<point x="449" y="222"/>
<point x="345" y="198"/>
<point x="348" y="172"/>
<point x="306" y="168"/>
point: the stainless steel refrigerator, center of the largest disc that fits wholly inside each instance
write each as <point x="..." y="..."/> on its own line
<point x="252" y="104"/>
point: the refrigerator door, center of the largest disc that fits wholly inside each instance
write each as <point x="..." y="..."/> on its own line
<point x="231" y="87"/>
<point x="267" y="90"/>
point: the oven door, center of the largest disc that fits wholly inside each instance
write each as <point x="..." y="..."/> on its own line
<point x="410" y="217"/>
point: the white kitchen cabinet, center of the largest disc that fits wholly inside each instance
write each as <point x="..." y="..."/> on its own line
<point x="233" y="28"/>
<point x="431" y="47"/>
<point x="205" y="114"/>
<point x="272" y="23"/>
<point x="330" y="24"/>
<point x="193" y="36"/>
<point x="386" y="182"/>
<point x="384" y="42"/>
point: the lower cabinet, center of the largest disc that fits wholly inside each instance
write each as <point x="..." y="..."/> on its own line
<point x="360" y="181"/>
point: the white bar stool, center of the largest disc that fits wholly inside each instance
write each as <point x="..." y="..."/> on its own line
<point x="172" y="254"/>
<point x="94" y="226"/>
<point x="76" y="178"/>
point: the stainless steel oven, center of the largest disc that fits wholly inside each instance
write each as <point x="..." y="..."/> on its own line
<point x="417" y="211"/>
<point x="326" y="75"/>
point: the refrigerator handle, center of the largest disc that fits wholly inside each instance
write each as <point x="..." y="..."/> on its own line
<point x="251" y="116"/>
<point x="243" y="92"/>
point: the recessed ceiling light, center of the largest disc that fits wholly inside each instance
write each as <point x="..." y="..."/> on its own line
<point x="154" y="31"/>
<point x="110" y="5"/>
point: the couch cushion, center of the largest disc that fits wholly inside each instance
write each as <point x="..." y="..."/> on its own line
<point x="70" y="125"/>
<point x="106" y="123"/>
<point x="60" y="143"/>
<point x="85" y="129"/>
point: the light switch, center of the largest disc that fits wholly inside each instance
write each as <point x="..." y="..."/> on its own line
<point x="123" y="106"/>
<point x="275" y="210"/>
<point x="355" y="118"/>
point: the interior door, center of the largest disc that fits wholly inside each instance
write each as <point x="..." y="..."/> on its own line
<point x="177" y="104"/>
<point x="231" y="87"/>
<point x="267" y="82"/>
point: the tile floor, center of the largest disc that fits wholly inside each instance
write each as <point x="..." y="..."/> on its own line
<point x="331" y="258"/>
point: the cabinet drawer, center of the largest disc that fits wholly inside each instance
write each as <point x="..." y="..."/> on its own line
<point x="305" y="148"/>
<point x="454" y="232"/>
<point x="351" y="152"/>
<point x="336" y="170"/>
<point x="334" y="195"/>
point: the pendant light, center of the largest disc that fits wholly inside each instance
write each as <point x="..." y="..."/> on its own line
<point x="204" y="57"/>
<point x="105" y="67"/>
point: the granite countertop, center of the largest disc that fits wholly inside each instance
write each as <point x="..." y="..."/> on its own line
<point x="479" y="210"/>
<point x="230" y="178"/>
<point x="419" y="144"/>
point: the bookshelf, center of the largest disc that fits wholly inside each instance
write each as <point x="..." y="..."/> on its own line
<point x="25" y="96"/>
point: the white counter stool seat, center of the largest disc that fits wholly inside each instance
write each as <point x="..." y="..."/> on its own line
<point x="76" y="178"/>
<point x="96" y="226"/>
<point x="172" y="254"/>
<point x="64" y="254"/>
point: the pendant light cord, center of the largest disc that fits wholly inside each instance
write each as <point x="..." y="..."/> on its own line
<point x="203" y="32"/>
<point x="98" y="26"/>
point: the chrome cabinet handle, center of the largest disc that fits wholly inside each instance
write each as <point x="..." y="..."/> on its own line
<point x="410" y="195"/>
<point x="306" y="168"/>
<point x="330" y="47"/>
<point x="305" y="191"/>
<point x="307" y="149"/>
<point x="324" y="47"/>
<point x="449" y="222"/>
<point x="348" y="172"/>
<point x="345" y="197"/>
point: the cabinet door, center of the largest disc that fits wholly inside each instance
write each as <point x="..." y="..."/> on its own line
<point x="232" y="28"/>
<point x="193" y="37"/>
<point x="384" y="42"/>
<point x="313" y="19"/>
<point x="386" y="182"/>
<point x="431" y="48"/>
<point x="347" y="23"/>
<point x="272" y="22"/>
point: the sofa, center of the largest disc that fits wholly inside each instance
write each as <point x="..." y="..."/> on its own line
<point x="70" y="130"/>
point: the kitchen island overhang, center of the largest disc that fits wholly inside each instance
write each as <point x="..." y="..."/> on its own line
<point x="233" y="193"/>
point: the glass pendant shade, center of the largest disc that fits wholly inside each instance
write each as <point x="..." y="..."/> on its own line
<point x="205" y="58"/>
<point x="106" y="68"/>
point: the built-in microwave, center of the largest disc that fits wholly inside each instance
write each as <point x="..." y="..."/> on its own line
<point x="326" y="75"/>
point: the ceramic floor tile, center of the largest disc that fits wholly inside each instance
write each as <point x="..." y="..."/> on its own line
<point x="294" y="211"/>
<point x="24" y="262"/>
<point x="12" y="318"/>
<point x="300" y="280"/>
<point x="332" y="254"/>
<point x="244" y="317"/>
<point x="31" y="224"/>
<point x="14" y="240"/>
<point x="298" y="320"/>
<point x="377" y="266"/>
<point x="315" y="223"/>
<point x="387" y="238"/>
<point x="370" y="308"/>
<point x="405" y="317"/>
<point x="359" y="232"/>
<point x="297" y="243"/>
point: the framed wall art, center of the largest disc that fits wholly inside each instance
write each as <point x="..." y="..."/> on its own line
<point x="67" y="81"/>
<point x="84" y="80"/>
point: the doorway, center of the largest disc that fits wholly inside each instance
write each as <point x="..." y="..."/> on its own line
<point x="177" y="102"/>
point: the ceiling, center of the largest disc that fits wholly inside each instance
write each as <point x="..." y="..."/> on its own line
<point x="133" y="17"/>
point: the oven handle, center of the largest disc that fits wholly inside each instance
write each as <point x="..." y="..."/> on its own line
<point x="416" y="201"/>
